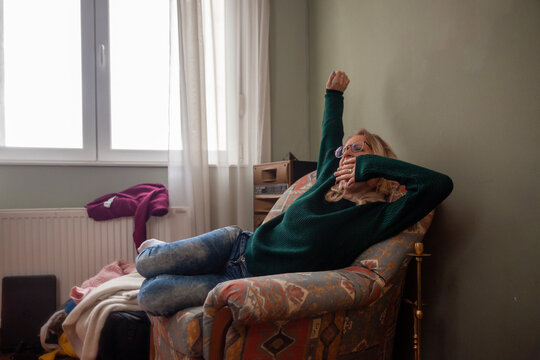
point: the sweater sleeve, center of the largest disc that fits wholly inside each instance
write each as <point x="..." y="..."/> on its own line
<point x="332" y="133"/>
<point x="425" y="190"/>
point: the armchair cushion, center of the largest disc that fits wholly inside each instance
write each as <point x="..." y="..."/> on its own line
<point x="385" y="257"/>
<point x="292" y="193"/>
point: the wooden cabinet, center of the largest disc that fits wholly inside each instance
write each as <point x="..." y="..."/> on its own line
<point x="270" y="180"/>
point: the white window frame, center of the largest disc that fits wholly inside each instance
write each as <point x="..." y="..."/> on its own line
<point x="96" y="104"/>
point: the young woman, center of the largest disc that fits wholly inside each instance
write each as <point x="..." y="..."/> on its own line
<point x="341" y="215"/>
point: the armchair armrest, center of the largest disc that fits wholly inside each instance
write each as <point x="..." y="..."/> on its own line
<point x="294" y="295"/>
<point x="284" y="296"/>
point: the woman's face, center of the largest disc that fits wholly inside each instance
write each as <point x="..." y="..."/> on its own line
<point x="349" y="153"/>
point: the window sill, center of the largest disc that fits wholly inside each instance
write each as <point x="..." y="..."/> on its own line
<point x="85" y="163"/>
<point x="156" y="164"/>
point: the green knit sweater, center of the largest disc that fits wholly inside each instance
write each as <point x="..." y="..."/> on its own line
<point x="313" y="234"/>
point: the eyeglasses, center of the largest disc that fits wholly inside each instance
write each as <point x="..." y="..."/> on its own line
<point x="355" y="148"/>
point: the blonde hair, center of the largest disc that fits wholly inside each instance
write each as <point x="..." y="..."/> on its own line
<point x="384" y="187"/>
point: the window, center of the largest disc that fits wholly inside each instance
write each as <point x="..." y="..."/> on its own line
<point x="84" y="80"/>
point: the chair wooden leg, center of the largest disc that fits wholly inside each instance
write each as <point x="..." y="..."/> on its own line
<point x="222" y="322"/>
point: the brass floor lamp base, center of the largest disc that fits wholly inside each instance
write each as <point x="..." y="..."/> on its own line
<point x="416" y="306"/>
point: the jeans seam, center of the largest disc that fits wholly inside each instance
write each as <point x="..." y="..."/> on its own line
<point x="241" y="260"/>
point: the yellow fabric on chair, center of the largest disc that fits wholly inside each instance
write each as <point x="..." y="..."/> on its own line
<point x="65" y="349"/>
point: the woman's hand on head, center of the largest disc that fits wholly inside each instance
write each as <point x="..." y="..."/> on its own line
<point x="338" y="80"/>
<point x="345" y="171"/>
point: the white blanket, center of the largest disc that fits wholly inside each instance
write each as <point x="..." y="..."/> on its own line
<point x="84" y="323"/>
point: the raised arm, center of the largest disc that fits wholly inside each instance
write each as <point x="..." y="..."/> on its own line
<point x="332" y="126"/>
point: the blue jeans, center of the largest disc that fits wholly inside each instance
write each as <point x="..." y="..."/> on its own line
<point x="181" y="274"/>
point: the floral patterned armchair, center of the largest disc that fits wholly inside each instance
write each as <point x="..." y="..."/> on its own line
<point x="348" y="313"/>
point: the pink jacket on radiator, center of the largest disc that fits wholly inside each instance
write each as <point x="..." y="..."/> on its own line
<point x="140" y="201"/>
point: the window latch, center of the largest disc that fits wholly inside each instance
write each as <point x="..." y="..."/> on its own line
<point x="102" y="55"/>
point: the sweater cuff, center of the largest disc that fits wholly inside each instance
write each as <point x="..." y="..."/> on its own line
<point x="333" y="92"/>
<point x="361" y="167"/>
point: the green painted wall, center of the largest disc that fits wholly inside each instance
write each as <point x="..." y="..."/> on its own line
<point x="27" y="187"/>
<point x="289" y="79"/>
<point x="454" y="86"/>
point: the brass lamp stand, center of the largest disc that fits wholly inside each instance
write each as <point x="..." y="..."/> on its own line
<point x="417" y="305"/>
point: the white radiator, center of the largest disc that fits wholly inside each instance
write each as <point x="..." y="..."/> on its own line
<point x="70" y="245"/>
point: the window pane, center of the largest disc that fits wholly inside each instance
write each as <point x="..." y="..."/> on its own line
<point x="42" y="73"/>
<point x="139" y="72"/>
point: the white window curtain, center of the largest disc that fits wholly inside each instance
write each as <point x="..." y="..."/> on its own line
<point x="220" y="108"/>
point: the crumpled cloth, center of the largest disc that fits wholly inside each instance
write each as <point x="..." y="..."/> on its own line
<point x="65" y="348"/>
<point x="51" y="331"/>
<point x="140" y="201"/>
<point x="109" y="272"/>
<point x="83" y="325"/>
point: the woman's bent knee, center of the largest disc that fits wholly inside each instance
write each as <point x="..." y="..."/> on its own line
<point x="153" y="298"/>
<point x="146" y="263"/>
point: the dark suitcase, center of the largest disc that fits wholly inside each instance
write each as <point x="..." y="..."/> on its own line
<point x="27" y="304"/>
<point x="125" y="336"/>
